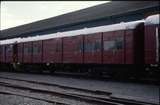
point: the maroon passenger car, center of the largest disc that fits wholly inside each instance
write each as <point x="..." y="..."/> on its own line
<point x="126" y="43"/>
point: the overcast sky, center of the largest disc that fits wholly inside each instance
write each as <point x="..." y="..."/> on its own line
<point x="21" y="12"/>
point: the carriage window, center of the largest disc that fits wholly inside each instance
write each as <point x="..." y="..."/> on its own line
<point x="27" y="49"/>
<point x="89" y="47"/>
<point x="9" y="48"/>
<point x="97" y="45"/>
<point x="3" y="49"/>
<point x="36" y="49"/>
<point x="20" y="50"/>
<point x="109" y="45"/>
<point x="79" y="47"/>
<point x="114" y="44"/>
<point x="93" y="46"/>
<point x="119" y="42"/>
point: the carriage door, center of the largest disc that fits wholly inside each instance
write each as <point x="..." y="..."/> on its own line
<point x="113" y="47"/>
<point x="120" y="47"/>
<point x="15" y="53"/>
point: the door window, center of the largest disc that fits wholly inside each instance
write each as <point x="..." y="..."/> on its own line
<point x="79" y="46"/>
<point x="27" y="49"/>
<point x="97" y="45"/>
<point x="89" y="47"/>
<point x="9" y="48"/>
<point x="36" y="49"/>
<point x="109" y="45"/>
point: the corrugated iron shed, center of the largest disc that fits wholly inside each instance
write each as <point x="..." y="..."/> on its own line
<point x="103" y="11"/>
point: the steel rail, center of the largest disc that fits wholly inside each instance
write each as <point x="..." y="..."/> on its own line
<point x="87" y="99"/>
<point x="31" y="97"/>
<point x="107" y="98"/>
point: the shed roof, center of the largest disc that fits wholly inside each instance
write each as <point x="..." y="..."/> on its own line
<point x="88" y="14"/>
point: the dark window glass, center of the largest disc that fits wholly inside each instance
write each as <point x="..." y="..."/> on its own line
<point x="9" y="48"/>
<point x="89" y="47"/>
<point x="79" y="47"/>
<point x="27" y="49"/>
<point x="3" y="49"/>
<point x="36" y="49"/>
<point x="97" y="45"/>
<point x="20" y="49"/>
<point x="119" y="42"/>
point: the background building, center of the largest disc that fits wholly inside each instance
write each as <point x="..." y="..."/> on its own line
<point x="108" y="13"/>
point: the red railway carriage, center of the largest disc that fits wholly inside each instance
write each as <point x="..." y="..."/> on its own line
<point x="98" y="45"/>
<point x="73" y="49"/>
<point x="152" y="39"/>
<point x="52" y="50"/>
<point x="93" y="48"/>
<point x="103" y="46"/>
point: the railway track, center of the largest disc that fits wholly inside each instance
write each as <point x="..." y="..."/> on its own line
<point x="152" y="81"/>
<point x="32" y="97"/>
<point x="142" y="80"/>
<point x="92" y="77"/>
<point x="50" y="92"/>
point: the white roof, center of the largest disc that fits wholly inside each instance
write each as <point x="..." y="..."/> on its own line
<point x="84" y="31"/>
<point x="154" y="19"/>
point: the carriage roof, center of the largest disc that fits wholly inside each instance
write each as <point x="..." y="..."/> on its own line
<point x="84" y="31"/>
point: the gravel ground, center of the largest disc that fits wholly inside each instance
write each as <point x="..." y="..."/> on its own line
<point x="42" y="96"/>
<point x="17" y="100"/>
<point x="146" y="93"/>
